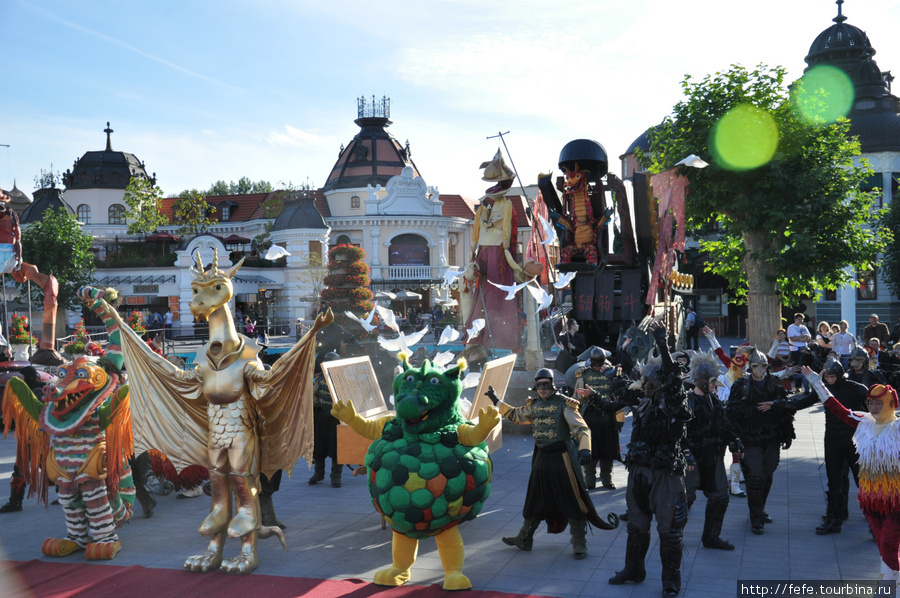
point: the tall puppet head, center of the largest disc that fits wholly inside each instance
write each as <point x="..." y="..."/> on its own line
<point x="212" y="288"/>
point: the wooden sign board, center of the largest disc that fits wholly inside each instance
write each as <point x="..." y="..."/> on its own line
<point x="353" y="379"/>
<point x="496" y="373"/>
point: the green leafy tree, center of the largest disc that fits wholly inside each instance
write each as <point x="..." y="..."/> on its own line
<point x="790" y="224"/>
<point x="890" y="264"/>
<point x="143" y="198"/>
<point x="242" y="187"/>
<point x="192" y="213"/>
<point x="57" y="245"/>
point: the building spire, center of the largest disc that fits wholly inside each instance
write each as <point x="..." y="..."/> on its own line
<point x="839" y="18"/>
<point x="108" y="132"/>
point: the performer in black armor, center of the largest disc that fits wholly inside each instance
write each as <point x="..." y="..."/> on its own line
<point x="324" y="428"/>
<point x="859" y="370"/>
<point x="656" y="463"/>
<point x="763" y="418"/>
<point x="593" y="388"/>
<point x="841" y="457"/>
<point x="708" y="434"/>
<point x="556" y="490"/>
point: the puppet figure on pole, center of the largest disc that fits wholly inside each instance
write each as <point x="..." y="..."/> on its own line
<point x="493" y="260"/>
<point x="11" y="263"/>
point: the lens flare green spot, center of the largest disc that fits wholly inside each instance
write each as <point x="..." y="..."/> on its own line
<point x="744" y="138"/>
<point x="823" y="94"/>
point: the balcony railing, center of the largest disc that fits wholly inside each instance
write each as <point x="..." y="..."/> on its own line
<point x="408" y="272"/>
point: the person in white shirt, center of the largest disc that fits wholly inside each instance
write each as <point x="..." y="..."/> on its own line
<point x="843" y="343"/>
<point x="799" y="336"/>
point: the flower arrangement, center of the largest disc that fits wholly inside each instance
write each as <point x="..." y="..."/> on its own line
<point x="77" y="345"/>
<point x="18" y="331"/>
<point x="135" y="321"/>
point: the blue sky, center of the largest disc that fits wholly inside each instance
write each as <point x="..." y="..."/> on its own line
<point x="202" y="90"/>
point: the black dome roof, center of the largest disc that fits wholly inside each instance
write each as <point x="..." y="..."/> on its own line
<point x="105" y="169"/>
<point x="44" y="199"/>
<point x="878" y="130"/>
<point x="299" y="213"/>
<point x="839" y="45"/>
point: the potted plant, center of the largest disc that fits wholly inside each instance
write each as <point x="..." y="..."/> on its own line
<point x="20" y="339"/>
<point x="78" y="342"/>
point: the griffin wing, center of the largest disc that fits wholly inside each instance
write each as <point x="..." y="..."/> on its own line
<point x="284" y="401"/>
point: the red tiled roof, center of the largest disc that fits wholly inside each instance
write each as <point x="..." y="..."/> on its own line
<point x="519" y="203"/>
<point x="245" y="207"/>
<point x="457" y="206"/>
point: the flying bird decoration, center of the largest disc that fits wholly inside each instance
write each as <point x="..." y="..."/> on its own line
<point x="388" y="317"/>
<point x="512" y="289"/>
<point x="471" y="380"/>
<point x="276" y="252"/>
<point x="450" y="276"/>
<point x="448" y="335"/>
<point x="542" y="297"/>
<point x="694" y="161"/>
<point x="402" y="343"/>
<point x="549" y="231"/>
<point x="477" y="326"/>
<point x="367" y="324"/>
<point x="564" y="280"/>
<point x="443" y="358"/>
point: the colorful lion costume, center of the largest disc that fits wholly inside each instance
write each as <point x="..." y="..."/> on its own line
<point x="79" y="438"/>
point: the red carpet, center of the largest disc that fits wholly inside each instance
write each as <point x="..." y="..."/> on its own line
<point x="39" y="579"/>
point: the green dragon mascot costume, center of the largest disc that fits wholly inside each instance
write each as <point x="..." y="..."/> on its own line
<point x="428" y="468"/>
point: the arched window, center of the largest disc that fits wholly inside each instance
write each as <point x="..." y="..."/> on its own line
<point x="117" y="214"/>
<point x="409" y="250"/>
<point x="343" y="240"/>
<point x="84" y="213"/>
<point x="354" y="201"/>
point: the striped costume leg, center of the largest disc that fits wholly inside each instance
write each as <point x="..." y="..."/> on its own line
<point x="76" y="517"/>
<point x="99" y="513"/>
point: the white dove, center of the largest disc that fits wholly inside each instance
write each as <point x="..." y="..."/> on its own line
<point x="471" y="380"/>
<point x="543" y="298"/>
<point x="549" y="231"/>
<point x="448" y="335"/>
<point x="276" y="252"/>
<point x="693" y="160"/>
<point x="564" y="280"/>
<point x="441" y="359"/>
<point x="450" y="276"/>
<point x="366" y="324"/>
<point x="388" y="317"/>
<point x="477" y="326"/>
<point x="401" y="343"/>
<point x="512" y="289"/>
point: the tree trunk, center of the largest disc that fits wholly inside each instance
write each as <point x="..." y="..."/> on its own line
<point x="763" y="301"/>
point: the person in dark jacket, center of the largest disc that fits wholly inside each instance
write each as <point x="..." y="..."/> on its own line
<point x="841" y="457"/>
<point x="324" y="427"/>
<point x="763" y="418"/>
<point x="593" y="387"/>
<point x="708" y="434"/>
<point x="656" y="462"/>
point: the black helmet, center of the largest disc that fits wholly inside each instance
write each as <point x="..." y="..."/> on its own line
<point x="833" y="367"/>
<point x="544" y="374"/>
<point x="588" y="154"/>
<point x="598" y="356"/>
<point x="331" y="356"/>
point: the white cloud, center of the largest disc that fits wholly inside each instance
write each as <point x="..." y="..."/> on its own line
<point x="293" y="137"/>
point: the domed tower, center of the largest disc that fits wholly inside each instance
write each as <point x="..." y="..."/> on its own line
<point x="874" y="115"/>
<point x="875" y="121"/>
<point x="371" y="158"/>
<point x="96" y="185"/>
